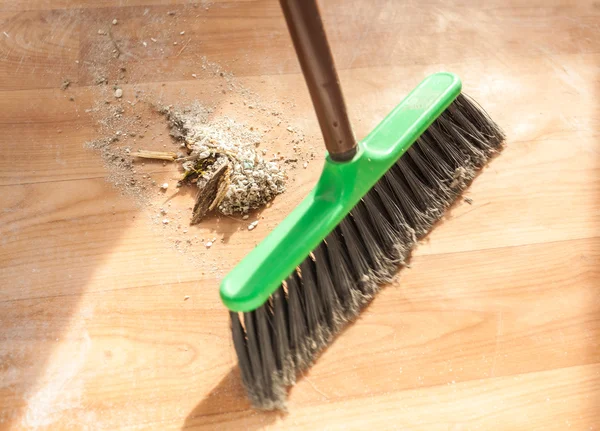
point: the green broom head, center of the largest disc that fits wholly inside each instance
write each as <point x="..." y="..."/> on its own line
<point x="315" y="272"/>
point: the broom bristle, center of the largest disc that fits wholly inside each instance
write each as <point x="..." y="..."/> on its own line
<point x="341" y="276"/>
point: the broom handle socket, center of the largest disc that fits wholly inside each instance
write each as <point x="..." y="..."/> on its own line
<point x="306" y="28"/>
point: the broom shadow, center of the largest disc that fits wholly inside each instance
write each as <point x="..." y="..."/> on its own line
<point x="226" y="405"/>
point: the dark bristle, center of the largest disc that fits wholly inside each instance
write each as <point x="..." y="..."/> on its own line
<point x="494" y="136"/>
<point x="406" y="234"/>
<point x="297" y="324"/>
<point x="425" y="148"/>
<point x="241" y="349"/>
<point x="332" y="307"/>
<point x="285" y="362"/>
<point x="341" y="276"/>
<point x="426" y="198"/>
<point x="453" y="154"/>
<point x="254" y="361"/>
<point x="381" y="265"/>
<point x="330" y="287"/>
<point x="466" y="139"/>
<point x="417" y="219"/>
<point x="388" y="238"/>
<point x="359" y="264"/>
<point x="318" y="332"/>
<point x="267" y="353"/>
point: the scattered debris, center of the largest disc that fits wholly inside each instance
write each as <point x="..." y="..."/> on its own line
<point x="460" y="177"/>
<point x="244" y="180"/>
<point x="186" y="297"/>
<point x="469" y="201"/>
<point x="117" y="49"/>
<point x="305" y="165"/>
<point x="252" y="225"/>
<point x="183" y="47"/>
<point x="65" y="84"/>
<point x="165" y="186"/>
<point x="118" y="93"/>
<point x="115" y="22"/>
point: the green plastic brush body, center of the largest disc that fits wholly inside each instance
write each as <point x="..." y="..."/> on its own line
<point x="340" y="187"/>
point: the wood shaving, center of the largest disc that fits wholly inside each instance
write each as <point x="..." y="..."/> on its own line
<point x="212" y="187"/>
<point x="155" y="155"/>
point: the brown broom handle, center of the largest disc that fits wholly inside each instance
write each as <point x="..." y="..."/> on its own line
<point x="310" y="41"/>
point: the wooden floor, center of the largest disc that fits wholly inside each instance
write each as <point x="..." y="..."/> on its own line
<point x="496" y="324"/>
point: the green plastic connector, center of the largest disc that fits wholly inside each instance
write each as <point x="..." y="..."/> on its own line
<point x="339" y="189"/>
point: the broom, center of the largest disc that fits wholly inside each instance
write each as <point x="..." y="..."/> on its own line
<point x="314" y="273"/>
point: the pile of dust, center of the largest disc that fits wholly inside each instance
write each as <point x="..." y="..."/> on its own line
<point x="251" y="182"/>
